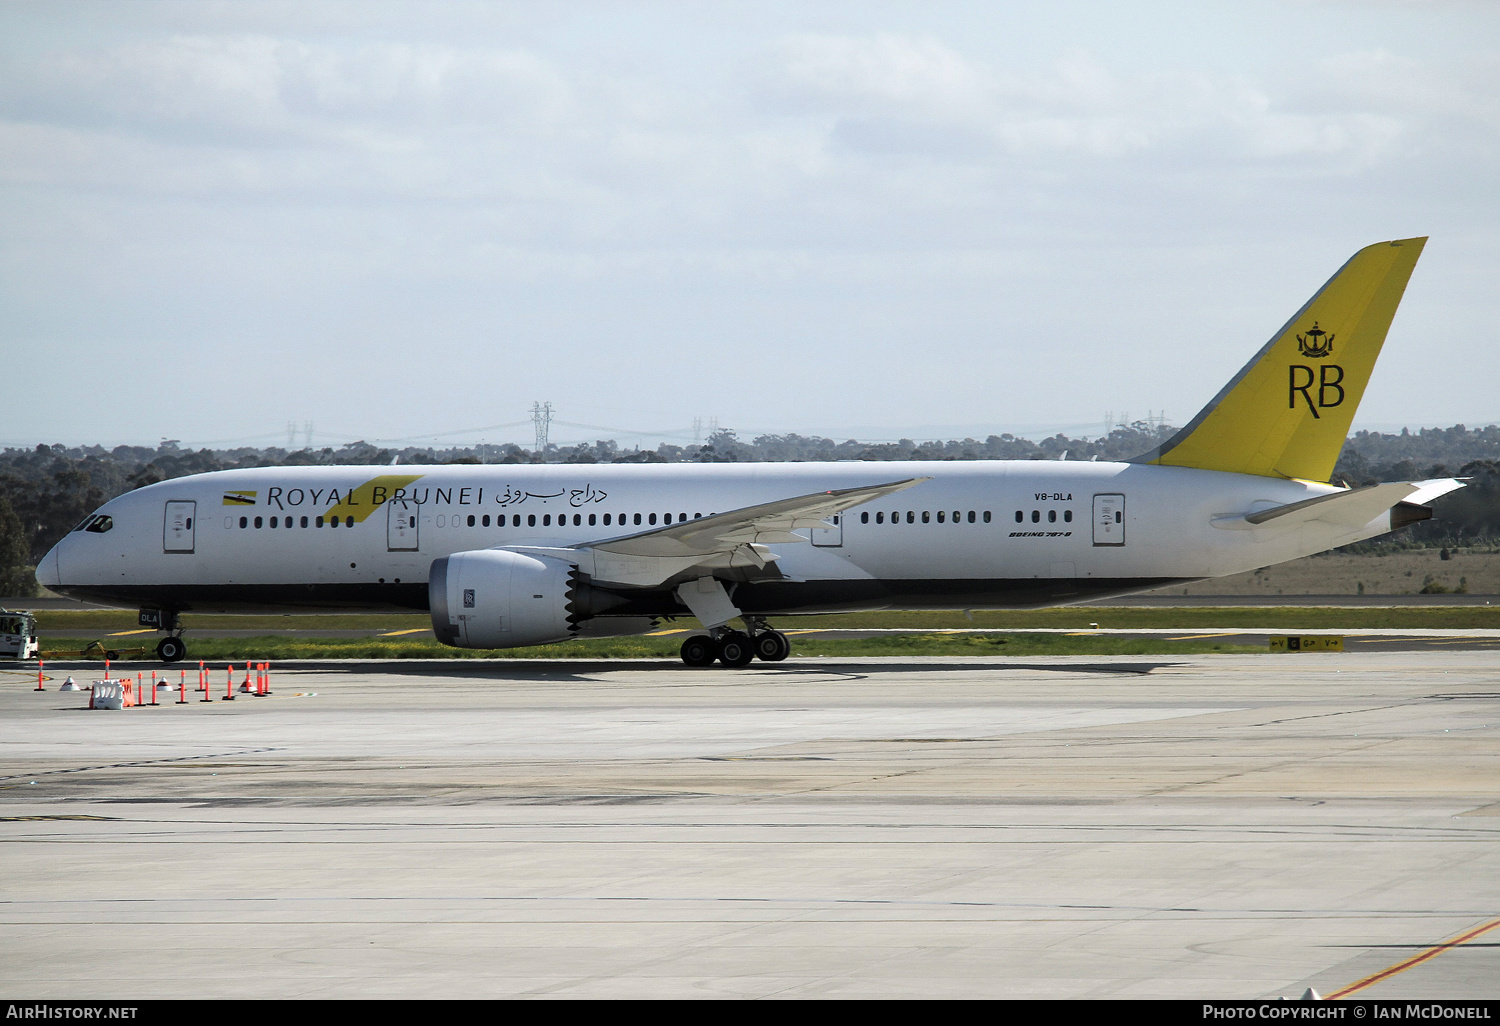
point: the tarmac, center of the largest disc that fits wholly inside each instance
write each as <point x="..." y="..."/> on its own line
<point x="1225" y="826"/>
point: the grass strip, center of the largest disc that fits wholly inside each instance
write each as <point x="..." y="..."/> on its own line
<point x="1073" y="617"/>
<point x="280" y="648"/>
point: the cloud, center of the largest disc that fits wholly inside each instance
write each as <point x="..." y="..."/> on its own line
<point x="914" y="95"/>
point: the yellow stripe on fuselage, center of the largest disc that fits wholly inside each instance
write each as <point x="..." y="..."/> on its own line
<point x="360" y="502"/>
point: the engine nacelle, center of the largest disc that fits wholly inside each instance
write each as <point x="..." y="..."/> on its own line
<point x="497" y="598"/>
<point x="494" y="598"/>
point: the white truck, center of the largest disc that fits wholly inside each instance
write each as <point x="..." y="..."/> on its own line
<point x="17" y="635"/>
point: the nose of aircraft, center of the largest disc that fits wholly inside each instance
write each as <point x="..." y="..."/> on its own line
<point x="49" y="570"/>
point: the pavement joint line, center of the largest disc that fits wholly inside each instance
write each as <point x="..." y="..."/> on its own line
<point x="1488" y="633"/>
<point x="1415" y="960"/>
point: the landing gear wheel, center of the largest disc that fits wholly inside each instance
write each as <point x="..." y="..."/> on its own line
<point x="699" y="650"/>
<point x="169" y="650"/>
<point x="735" y="649"/>
<point x="772" y="646"/>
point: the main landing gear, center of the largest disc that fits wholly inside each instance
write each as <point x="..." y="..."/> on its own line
<point x="736" y="648"/>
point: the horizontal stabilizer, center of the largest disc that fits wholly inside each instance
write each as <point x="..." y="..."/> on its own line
<point x="1351" y="509"/>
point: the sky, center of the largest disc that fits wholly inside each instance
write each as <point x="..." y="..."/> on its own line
<point x="408" y="222"/>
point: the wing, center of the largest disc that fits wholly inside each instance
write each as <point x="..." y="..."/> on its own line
<point x="736" y="538"/>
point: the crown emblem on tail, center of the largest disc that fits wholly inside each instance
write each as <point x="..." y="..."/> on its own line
<point x="1317" y="343"/>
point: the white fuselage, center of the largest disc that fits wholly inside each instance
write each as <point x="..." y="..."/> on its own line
<point x="206" y="542"/>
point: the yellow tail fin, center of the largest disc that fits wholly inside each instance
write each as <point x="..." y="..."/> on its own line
<point x="1287" y="413"/>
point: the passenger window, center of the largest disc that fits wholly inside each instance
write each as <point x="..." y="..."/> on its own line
<point x="942" y="517"/>
<point x="1036" y="516"/>
<point x="971" y="516"/>
<point x="957" y="516"/>
<point x="317" y="522"/>
<point x="864" y="518"/>
<point x="471" y="520"/>
<point x="1067" y="516"/>
<point x="245" y="521"/>
<point x="546" y="519"/>
<point x="577" y="520"/>
<point x="880" y="518"/>
<point x="911" y="518"/>
<point x="1020" y="516"/>
<point x="926" y="517"/>
<point x="699" y="516"/>
<point x="273" y="521"/>
<point x="638" y="520"/>
<point x="531" y="520"/>
<point x="606" y="520"/>
<point x="986" y="516"/>
<point x="304" y="521"/>
<point x="349" y="520"/>
<point x="1052" y="516"/>
<point x="651" y="519"/>
<point x="591" y="519"/>
<point x="484" y="521"/>
<point x="258" y="523"/>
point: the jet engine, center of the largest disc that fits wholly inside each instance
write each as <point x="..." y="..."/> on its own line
<point x="498" y="598"/>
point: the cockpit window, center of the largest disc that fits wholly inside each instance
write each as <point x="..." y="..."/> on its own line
<point x="86" y="521"/>
<point x="100" y="525"/>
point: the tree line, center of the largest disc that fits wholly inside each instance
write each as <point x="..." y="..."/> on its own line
<point x="45" y="491"/>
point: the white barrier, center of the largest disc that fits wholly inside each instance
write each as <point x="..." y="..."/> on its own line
<point x="108" y="694"/>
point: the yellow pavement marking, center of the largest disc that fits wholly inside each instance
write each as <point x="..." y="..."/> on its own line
<point x="1195" y="637"/>
<point x="414" y="630"/>
<point x="1400" y="967"/>
<point x="806" y="630"/>
<point x="121" y="634"/>
<point x="673" y="630"/>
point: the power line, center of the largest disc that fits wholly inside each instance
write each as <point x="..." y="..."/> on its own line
<point x="541" y="416"/>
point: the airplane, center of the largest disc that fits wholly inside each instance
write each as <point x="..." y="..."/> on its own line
<point x="505" y="556"/>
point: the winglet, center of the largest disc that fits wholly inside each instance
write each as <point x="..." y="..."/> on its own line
<point x="1287" y="412"/>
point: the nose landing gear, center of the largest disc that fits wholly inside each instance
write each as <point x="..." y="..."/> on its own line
<point x="171" y="648"/>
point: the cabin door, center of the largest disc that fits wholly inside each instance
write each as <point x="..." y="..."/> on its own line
<point x="177" y="532"/>
<point x="401" y="520"/>
<point x="831" y="534"/>
<point x="1109" y="519"/>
